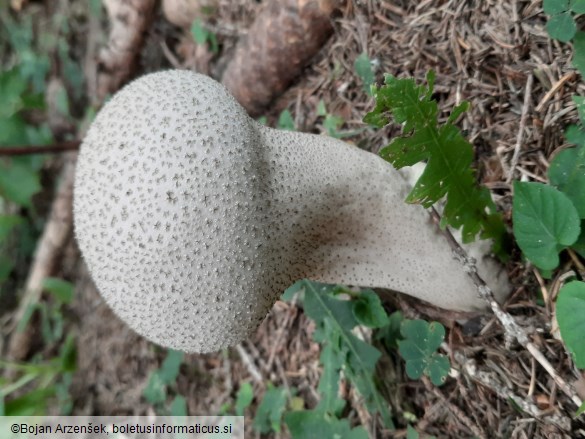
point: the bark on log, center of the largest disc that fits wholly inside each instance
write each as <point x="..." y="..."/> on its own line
<point x="283" y="38"/>
<point x="129" y="21"/>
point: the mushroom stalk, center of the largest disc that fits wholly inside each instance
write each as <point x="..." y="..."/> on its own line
<point x="193" y="218"/>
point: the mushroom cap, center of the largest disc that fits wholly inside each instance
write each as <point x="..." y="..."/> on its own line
<point x="171" y="210"/>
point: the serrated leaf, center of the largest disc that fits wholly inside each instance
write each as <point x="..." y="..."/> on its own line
<point x="545" y="222"/>
<point x="421" y="341"/>
<point x="244" y="398"/>
<point x="335" y="320"/>
<point x="363" y="68"/>
<point x="571" y="318"/>
<point x="269" y="412"/>
<point x="18" y="182"/>
<point x="579" y="53"/>
<point x="449" y="158"/>
<point x="567" y="174"/>
<point x="552" y="7"/>
<point x="562" y="27"/>
<point x="311" y="424"/>
<point x="329" y="383"/>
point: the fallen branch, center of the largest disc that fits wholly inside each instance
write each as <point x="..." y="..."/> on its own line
<point x="48" y="149"/>
<point x="513" y="331"/>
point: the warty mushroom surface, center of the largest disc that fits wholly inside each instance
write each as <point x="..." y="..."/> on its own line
<point x="193" y="218"/>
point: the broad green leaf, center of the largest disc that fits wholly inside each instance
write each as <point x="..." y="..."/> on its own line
<point x="562" y="27"/>
<point x="199" y="32"/>
<point x="552" y="7"/>
<point x="567" y="174"/>
<point x="368" y="310"/>
<point x="244" y="398"/>
<point x="575" y="134"/>
<point x="311" y="424"/>
<point x="545" y="222"/>
<point x="18" y="183"/>
<point x="579" y="53"/>
<point x="33" y="403"/>
<point x="269" y="413"/>
<point x="580" y="104"/>
<point x="363" y="68"/>
<point x="579" y="245"/>
<point x="12" y="87"/>
<point x="421" y="341"/>
<point x="578" y="6"/>
<point x="61" y="289"/>
<point x="571" y="317"/>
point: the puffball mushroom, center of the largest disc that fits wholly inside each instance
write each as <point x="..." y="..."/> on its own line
<point x="193" y="218"/>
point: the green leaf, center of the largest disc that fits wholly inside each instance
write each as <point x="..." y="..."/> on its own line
<point x="61" y="289"/>
<point x="580" y="104"/>
<point x="411" y="433"/>
<point x="571" y="317"/>
<point x="7" y="224"/>
<point x="562" y="27"/>
<point x="33" y="403"/>
<point x="390" y="334"/>
<point x="335" y="320"/>
<point x="579" y="411"/>
<point x="6" y="266"/>
<point x="12" y="88"/>
<point x="269" y="413"/>
<point x="545" y="222"/>
<point x="244" y="398"/>
<point x="368" y="310"/>
<point x="578" y="6"/>
<point x="169" y="370"/>
<point x="285" y="121"/>
<point x="552" y="7"/>
<point x="579" y="53"/>
<point x="307" y="424"/>
<point x="155" y="391"/>
<point x="567" y="174"/>
<point x="178" y="406"/>
<point x="329" y="383"/>
<point x="18" y="182"/>
<point x="575" y="134"/>
<point x="198" y="32"/>
<point x="321" y="109"/>
<point x="363" y="68"/>
<point x="449" y="157"/>
<point x="579" y="245"/>
<point x="421" y="340"/>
